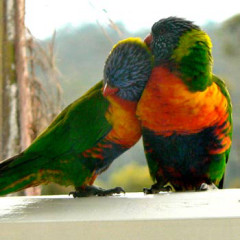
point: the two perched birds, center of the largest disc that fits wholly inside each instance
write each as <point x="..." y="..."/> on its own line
<point x="162" y="89"/>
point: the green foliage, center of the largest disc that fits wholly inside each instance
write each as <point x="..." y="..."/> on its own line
<point x="132" y="177"/>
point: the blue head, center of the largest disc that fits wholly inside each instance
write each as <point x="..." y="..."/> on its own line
<point x="127" y="69"/>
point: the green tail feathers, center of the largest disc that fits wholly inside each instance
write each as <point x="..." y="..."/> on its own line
<point x="17" y="176"/>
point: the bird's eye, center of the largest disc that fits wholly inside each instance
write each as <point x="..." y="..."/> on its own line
<point x="158" y="31"/>
<point x="161" y="31"/>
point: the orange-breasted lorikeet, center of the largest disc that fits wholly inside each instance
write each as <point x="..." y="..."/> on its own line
<point x="90" y="133"/>
<point x="185" y="110"/>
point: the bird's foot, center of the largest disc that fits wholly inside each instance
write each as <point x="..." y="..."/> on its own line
<point x="156" y="188"/>
<point x="206" y="187"/>
<point x="88" y="191"/>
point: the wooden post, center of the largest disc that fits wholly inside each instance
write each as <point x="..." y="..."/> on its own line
<point x="22" y="76"/>
<point x="8" y="89"/>
<point x="15" y="96"/>
<point x="1" y="76"/>
<point x="24" y="94"/>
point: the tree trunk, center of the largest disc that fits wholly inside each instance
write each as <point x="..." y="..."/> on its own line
<point x="25" y="113"/>
<point x="22" y="77"/>
<point x="15" y="96"/>
<point x="8" y="89"/>
<point x="1" y="78"/>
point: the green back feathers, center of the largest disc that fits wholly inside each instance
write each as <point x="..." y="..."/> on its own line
<point x="79" y="126"/>
<point x="194" y="59"/>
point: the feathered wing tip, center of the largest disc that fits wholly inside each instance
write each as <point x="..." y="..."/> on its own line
<point x="15" y="177"/>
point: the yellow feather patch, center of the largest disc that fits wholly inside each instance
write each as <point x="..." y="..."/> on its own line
<point x="135" y="40"/>
<point x="126" y="127"/>
<point x="188" y="40"/>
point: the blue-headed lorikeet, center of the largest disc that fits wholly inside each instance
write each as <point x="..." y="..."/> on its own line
<point x="90" y="133"/>
<point x="185" y="110"/>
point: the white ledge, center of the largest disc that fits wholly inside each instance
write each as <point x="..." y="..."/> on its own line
<point x="194" y="215"/>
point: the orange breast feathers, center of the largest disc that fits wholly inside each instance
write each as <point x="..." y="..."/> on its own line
<point x="122" y="116"/>
<point x="167" y="106"/>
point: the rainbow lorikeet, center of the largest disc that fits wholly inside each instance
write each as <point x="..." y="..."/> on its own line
<point x="90" y="133"/>
<point x="185" y="110"/>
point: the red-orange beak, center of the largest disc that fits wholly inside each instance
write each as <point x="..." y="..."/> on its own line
<point x="148" y="40"/>
<point x="107" y="90"/>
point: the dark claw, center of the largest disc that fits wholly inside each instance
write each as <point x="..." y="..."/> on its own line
<point x="109" y="192"/>
<point x="74" y="194"/>
<point x="156" y="188"/>
<point x="155" y="191"/>
<point x="147" y="191"/>
<point x="206" y="187"/>
<point x="95" y="191"/>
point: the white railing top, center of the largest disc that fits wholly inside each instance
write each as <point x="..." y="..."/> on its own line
<point x="129" y="206"/>
<point x="155" y="211"/>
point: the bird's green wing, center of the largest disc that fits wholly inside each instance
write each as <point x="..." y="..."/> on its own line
<point x="77" y="128"/>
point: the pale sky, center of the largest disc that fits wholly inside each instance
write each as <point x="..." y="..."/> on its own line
<point x="44" y="16"/>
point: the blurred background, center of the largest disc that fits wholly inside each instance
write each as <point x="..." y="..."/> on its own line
<point x="69" y="40"/>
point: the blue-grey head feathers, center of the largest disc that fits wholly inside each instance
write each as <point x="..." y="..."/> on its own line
<point x="128" y="68"/>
